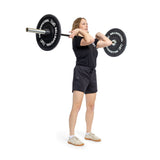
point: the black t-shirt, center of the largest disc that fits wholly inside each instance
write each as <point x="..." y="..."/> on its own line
<point x="86" y="55"/>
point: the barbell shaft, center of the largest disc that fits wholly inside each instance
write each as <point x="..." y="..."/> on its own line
<point x="67" y="35"/>
<point x="40" y="31"/>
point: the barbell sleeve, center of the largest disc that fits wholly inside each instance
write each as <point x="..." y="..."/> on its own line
<point x="38" y="31"/>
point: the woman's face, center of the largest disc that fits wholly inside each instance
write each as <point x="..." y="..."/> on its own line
<point x="83" y="25"/>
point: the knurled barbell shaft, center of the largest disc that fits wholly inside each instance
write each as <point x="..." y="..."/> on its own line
<point x="40" y="31"/>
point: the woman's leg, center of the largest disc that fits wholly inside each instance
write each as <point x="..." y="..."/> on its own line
<point x="90" y="102"/>
<point x="77" y="101"/>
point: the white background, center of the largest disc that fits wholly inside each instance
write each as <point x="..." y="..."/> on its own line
<point x="35" y="86"/>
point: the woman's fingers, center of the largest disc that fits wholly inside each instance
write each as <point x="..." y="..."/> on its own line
<point x="73" y="33"/>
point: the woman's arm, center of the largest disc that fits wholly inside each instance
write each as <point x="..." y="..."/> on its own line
<point x="103" y="40"/>
<point x="87" y="38"/>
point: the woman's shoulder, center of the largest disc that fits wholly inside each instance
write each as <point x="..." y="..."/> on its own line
<point x="77" y="38"/>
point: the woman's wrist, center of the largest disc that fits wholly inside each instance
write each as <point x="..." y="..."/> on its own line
<point x="82" y="32"/>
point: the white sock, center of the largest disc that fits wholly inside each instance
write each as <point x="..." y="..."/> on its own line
<point x="71" y="136"/>
<point x="88" y="133"/>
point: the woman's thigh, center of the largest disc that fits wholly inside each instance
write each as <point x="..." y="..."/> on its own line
<point x="77" y="98"/>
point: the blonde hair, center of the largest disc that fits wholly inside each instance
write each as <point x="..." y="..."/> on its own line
<point x="76" y="23"/>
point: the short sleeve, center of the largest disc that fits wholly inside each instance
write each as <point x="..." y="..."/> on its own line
<point x="77" y="41"/>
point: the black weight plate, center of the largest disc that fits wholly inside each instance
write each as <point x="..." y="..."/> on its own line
<point x="48" y="41"/>
<point x="119" y="37"/>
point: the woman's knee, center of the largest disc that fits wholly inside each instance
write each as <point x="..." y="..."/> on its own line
<point x="90" y="106"/>
<point x="76" y="107"/>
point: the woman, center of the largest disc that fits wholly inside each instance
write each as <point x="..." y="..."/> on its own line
<point x="84" y="80"/>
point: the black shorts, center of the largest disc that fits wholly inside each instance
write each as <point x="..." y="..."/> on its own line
<point x="84" y="79"/>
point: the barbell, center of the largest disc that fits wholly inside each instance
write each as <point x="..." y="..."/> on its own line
<point x="48" y="34"/>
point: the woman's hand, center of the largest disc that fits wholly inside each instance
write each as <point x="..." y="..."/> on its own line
<point x="87" y="38"/>
<point x="103" y="40"/>
<point x="100" y="36"/>
<point x="74" y="33"/>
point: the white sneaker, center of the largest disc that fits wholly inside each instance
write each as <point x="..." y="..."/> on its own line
<point x="75" y="141"/>
<point x="92" y="137"/>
